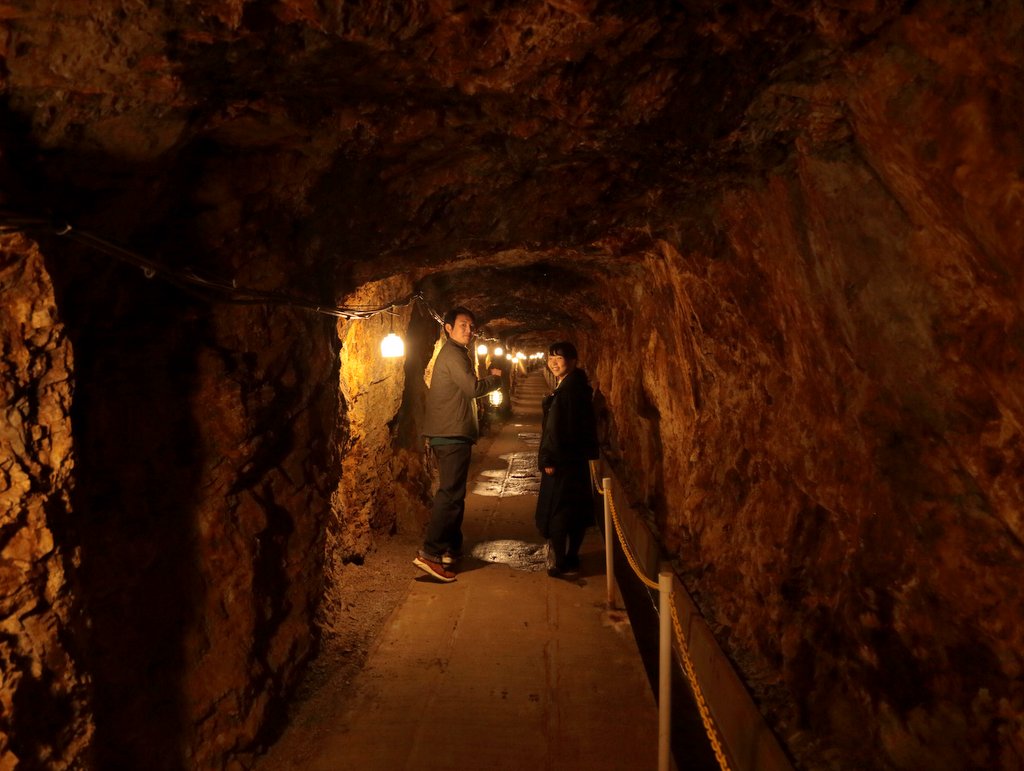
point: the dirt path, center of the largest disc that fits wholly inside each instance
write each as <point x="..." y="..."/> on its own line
<point x="506" y="668"/>
<point x="369" y="594"/>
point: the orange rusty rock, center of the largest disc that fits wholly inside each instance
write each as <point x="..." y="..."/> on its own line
<point x="37" y="602"/>
<point x="786" y="238"/>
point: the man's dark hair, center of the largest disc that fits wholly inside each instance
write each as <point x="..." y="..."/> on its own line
<point x="565" y="349"/>
<point x="454" y="313"/>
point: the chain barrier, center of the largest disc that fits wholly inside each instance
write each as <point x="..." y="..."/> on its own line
<point x="698" y="693"/>
<point x="593" y="477"/>
<point x="684" y="649"/>
<point x="626" y="550"/>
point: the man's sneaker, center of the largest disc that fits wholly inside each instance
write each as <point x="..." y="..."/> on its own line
<point x="434" y="569"/>
<point x="451" y="558"/>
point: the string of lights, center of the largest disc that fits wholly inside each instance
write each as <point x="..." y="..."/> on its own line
<point x="215" y="290"/>
<point x="212" y="289"/>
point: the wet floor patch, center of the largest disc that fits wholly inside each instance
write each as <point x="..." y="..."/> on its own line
<point x="489" y="482"/>
<point x="519" y="477"/>
<point x="519" y="555"/>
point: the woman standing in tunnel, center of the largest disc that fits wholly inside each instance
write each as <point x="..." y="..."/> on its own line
<point x="568" y="441"/>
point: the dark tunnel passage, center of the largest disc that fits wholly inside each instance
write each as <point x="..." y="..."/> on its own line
<point x="787" y="239"/>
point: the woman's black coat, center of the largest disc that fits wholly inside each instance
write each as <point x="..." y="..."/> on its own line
<point x="568" y="440"/>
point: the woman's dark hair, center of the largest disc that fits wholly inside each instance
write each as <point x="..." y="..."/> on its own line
<point x="564" y="349"/>
<point x="454" y="313"/>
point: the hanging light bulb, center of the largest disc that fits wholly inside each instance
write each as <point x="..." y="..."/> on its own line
<point x="481" y="349"/>
<point x="520" y="355"/>
<point x="392" y="346"/>
<point x="499" y="351"/>
<point x="495" y="398"/>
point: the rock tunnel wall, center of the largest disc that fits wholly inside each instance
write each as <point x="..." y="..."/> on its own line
<point x="809" y="373"/>
<point x="383" y="481"/>
<point x="166" y="618"/>
<point x="45" y="708"/>
<point x="224" y="468"/>
<point x="825" y="417"/>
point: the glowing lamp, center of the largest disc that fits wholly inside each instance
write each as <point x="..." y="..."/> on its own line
<point x="392" y="346"/>
<point x="499" y="351"/>
<point x="495" y="398"/>
<point x="481" y="349"/>
<point x="520" y="355"/>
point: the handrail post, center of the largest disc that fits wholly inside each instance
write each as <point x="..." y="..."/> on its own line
<point x="609" y="543"/>
<point x="664" y="670"/>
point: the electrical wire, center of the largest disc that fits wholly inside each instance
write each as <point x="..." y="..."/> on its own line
<point x="205" y="288"/>
<point x="209" y="289"/>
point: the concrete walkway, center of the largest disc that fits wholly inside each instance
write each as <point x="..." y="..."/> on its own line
<point x="506" y="668"/>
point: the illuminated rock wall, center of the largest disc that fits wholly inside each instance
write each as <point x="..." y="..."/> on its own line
<point x="382" y="477"/>
<point x="204" y="465"/>
<point x="826" y="415"/>
<point x="786" y="236"/>
<point x="45" y="704"/>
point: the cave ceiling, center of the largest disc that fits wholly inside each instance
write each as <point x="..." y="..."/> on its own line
<point x="509" y="154"/>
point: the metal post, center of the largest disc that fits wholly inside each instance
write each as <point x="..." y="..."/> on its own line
<point x="664" y="670"/>
<point x="609" y="542"/>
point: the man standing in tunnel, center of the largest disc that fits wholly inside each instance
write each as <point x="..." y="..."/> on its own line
<point x="451" y="427"/>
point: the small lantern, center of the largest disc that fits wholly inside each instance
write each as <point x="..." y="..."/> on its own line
<point x="392" y="346"/>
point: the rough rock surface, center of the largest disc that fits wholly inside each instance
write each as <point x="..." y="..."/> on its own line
<point x="45" y="716"/>
<point x="786" y="236"/>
